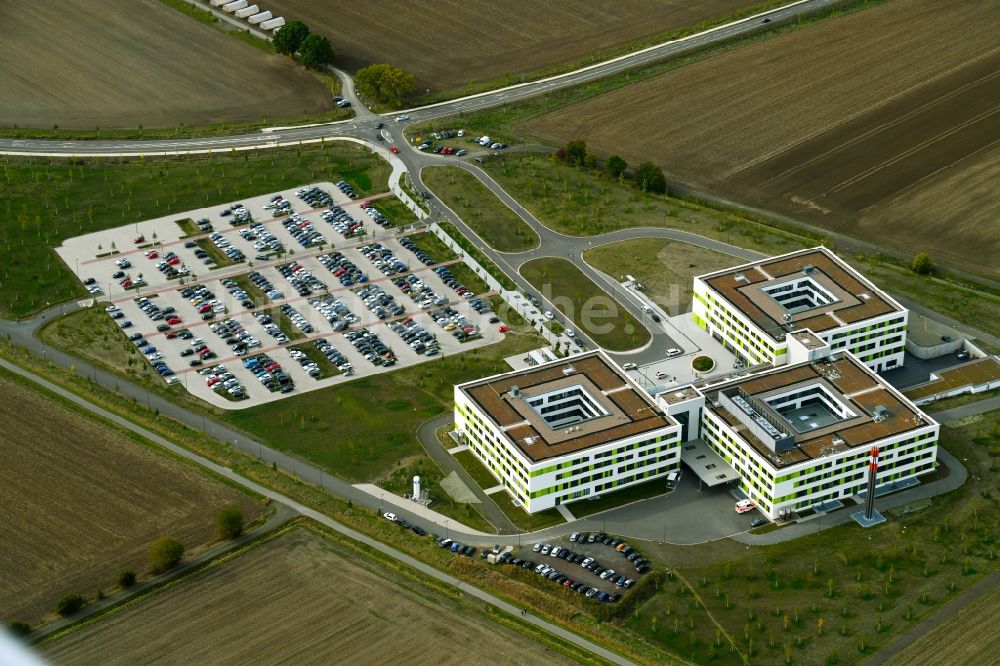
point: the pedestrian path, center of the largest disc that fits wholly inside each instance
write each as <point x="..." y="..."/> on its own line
<point x="494" y="489"/>
<point x="458" y="449"/>
<point x="564" y="512"/>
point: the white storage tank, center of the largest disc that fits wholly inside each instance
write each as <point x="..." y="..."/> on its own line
<point x="260" y="18"/>
<point x="416" y="487"/>
<point x="247" y="11"/>
<point x="234" y="5"/>
<point x="273" y="24"/>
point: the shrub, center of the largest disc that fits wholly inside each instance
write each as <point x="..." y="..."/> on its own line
<point x="922" y="264"/>
<point x="19" y="628"/>
<point x="576" y="152"/>
<point x="383" y="82"/>
<point x="615" y="166"/>
<point x="229" y="522"/>
<point x="69" y="604"/>
<point x="165" y="553"/>
<point x="126" y="578"/>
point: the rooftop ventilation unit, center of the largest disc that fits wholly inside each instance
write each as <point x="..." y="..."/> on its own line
<point x="808" y="268"/>
<point x="568" y="370"/>
<point x="880" y="413"/>
<point x="530" y="440"/>
<point x="787" y="317"/>
<point x="740" y="277"/>
<point x="515" y="392"/>
<point x="865" y="296"/>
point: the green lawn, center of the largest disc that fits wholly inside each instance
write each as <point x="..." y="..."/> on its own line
<point x="839" y="595"/>
<point x="611" y="500"/>
<point x="526" y="521"/>
<point x="48" y="200"/>
<point x="468" y="277"/>
<point x="361" y="429"/>
<point x="498" y="226"/>
<point x="665" y="268"/>
<point x="589" y="307"/>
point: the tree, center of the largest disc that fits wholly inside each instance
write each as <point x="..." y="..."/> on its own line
<point x="315" y="52"/>
<point x="576" y="152"/>
<point x="922" y="264"/>
<point x="229" y="522"/>
<point x="589" y="161"/>
<point x="615" y="166"/>
<point x="69" y="604"/>
<point x="165" y="553"/>
<point x="383" y="82"/>
<point x="289" y="39"/>
<point x="650" y="178"/>
<point x="126" y="578"/>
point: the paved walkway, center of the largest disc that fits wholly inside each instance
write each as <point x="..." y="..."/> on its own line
<point x="971" y="409"/>
<point x="321" y="518"/>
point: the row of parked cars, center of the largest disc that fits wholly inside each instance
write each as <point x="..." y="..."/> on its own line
<point x="343" y="269"/>
<point x="278" y="205"/>
<point x="303" y="231"/>
<point x="235" y="254"/>
<point x="220" y="380"/>
<point x="262" y="240"/>
<point x="449" y="279"/>
<point x="589" y="563"/>
<point x="371" y="347"/>
<point x="269" y="373"/>
<point x="238" y="293"/>
<point x="238" y="214"/>
<point x="334" y="311"/>
<point x="346" y="188"/>
<point x="423" y="256"/>
<point x="233" y="334"/>
<point x="315" y="196"/>
<point x="204" y="301"/>
<point x="416" y="336"/>
<point x="298" y="321"/>
<point x="270" y="327"/>
<point x="452" y="321"/>
<point x="383" y="259"/>
<point x="381" y="303"/>
<point x="265" y="285"/>
<point x="377" y="216"/>
<point x="170" y="265"/>
<point x="580" y="587"/>
<point x="628" y="552"/>
<point x="341" y="220"/>
<point x="301" y="278"/>
<point x="419" y="291"/>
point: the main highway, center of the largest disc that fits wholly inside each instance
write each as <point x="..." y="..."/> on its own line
<point x="361" y="126"/>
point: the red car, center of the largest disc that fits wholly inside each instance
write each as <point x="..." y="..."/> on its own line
<point x="139" y="239"/>
<point x="126" y="283"/>
<point x="204" y="308"/>
<point x="171" y="335"/>
<point x="394" y="149"/>
<point x="173" y="262"/>
<point x="504" y="328"/>
<point x="152" y="254"/>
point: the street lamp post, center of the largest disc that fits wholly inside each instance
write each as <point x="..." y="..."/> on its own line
<point x="446" y="528"/>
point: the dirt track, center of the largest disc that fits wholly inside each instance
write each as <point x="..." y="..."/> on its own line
<point x="80" y="64"/>
<point x="448" y="43"/>
<point x="882" y="124"/>
<point x="83" y="502"/>
<point x="299" y="600"/>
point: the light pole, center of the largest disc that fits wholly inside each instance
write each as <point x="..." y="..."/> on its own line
<point x="446" y="528"/>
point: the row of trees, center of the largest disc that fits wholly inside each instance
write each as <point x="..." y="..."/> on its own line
<point x="383" y="82"/>
<point x="314" y="51"/>
<point x="647" y="176"/>
<point x="164" y="554"/>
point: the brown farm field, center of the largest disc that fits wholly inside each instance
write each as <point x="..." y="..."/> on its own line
<point x="882" y="124"/>
<point x="124" y="63"/>
<point x="83" y="502"/>
<point x="448" y="44"/>
<point x="299" y="599"/>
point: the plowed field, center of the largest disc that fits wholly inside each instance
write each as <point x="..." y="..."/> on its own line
<point x="449" y="43"/>
<point x="299" y="600"/>
<point x="82" y="502"/>
<point x="882" y="124"/>
<point x="81" y="64"/>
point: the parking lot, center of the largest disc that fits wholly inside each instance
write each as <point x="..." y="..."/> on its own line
<point x="314" y="313"/>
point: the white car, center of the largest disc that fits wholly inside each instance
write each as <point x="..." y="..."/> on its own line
<point x="745" y="505"/>
<point x="673" y="351"/>
<point x="548" y="314"/>
<point x="402" y="118"/>
<point x="390" y="517"/>
<point x="630" y="366"/>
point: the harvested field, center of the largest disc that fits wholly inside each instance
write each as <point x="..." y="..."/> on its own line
<point x="448" y="44"/>
<point x="299" y="599"/>
<point x="968" y="637"/>
<point x="127" y="63"/>
<point x="83" y="502"/>
<point x="881" y="124"/>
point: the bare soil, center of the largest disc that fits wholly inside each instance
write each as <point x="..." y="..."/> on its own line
<point x="882" y="124"/>
<point x="124" y="63"/>
<point x="299" y="599"/>
<point x="83" y="502"/>
<point x="447" y="44"/>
